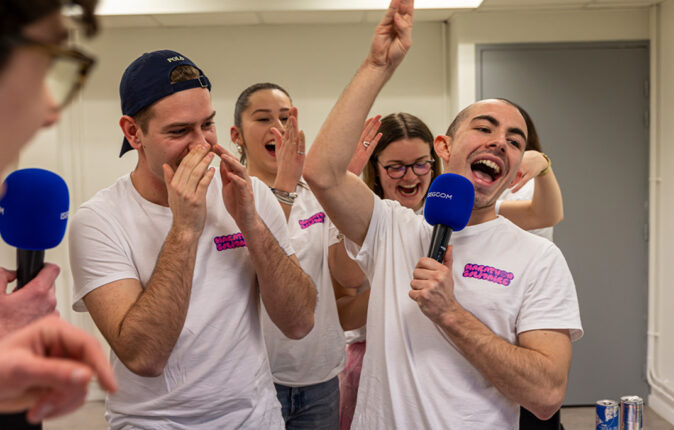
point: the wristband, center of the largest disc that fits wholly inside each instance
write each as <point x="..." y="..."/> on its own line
<point x="284" y="196"/>
<point x="547" y="169"/>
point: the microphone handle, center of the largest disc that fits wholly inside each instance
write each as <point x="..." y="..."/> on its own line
<point x="439" y="242"/>
<point x="28" y="265"/>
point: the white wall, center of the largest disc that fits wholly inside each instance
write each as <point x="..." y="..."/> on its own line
<point x="661" y="317"/>
<point x="468" y="29"/>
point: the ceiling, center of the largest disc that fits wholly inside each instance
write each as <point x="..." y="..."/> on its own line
<point x="184" y="13"/>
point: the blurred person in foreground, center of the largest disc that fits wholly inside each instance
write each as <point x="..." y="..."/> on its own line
<point x="45" y="363"/>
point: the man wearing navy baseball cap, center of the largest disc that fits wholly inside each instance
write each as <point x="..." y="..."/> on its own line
<point x="172" y="260"/>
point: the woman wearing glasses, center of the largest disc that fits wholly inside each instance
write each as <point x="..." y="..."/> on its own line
<point x="401" y="167"/>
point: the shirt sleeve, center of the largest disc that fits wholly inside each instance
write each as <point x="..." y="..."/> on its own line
<point x="364" y="255"/>
<point x="271" y="213"/>
<point x="97" y="256"/>
<point x="550" y="300"/>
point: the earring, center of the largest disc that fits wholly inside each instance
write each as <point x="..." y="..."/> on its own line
<point x="239" y="148"/>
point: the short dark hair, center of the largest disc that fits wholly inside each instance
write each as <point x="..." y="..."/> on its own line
<point x="243" y="102"/>
<point x="17" y="14"/>
<point x="394" y="127"/>
<point x="181" y="73"/>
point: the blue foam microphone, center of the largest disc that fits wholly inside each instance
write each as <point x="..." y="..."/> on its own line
<point x="449" y="203"/>
<point x="33" y="217"/>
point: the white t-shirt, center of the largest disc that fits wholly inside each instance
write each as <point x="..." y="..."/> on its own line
<point x="319" y="356"/>
<point x="525" y="193"/>
<point x="413" y="376"/>
<point x="217" y="376"/>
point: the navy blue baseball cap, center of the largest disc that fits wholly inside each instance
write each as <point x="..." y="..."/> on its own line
<point x="148" y="79"/>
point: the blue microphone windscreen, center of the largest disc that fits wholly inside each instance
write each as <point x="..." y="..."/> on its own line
<point x="34" y="209"/>
<point x="450" y="201"/>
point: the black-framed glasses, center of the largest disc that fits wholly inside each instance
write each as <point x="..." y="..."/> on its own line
<point x="68" y="70"/>
<point x="397" y="171"/>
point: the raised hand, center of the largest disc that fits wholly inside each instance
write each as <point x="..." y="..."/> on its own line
<point x="36" y="299"/>
<point x="433" y="287"/>
<point x="393" y="36"/>
<point x="46" y="367"/>
<point x="533" y="163"/>
<point x="290" y="147"/>
<point x="237" y="191"/>
<point x="187" y="188"/>
<point x="368" y="141"/>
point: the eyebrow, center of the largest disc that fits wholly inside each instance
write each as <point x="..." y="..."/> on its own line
<point x="268" y="110"/>
<point x="496" y="123"/>
<point x="429" y="156"/>
<point x="184" y="124"/>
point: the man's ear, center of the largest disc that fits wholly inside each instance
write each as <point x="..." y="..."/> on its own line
<point x="131" y="131"/>
<point x="443" y="147"/>
<point x="235" y="135"/>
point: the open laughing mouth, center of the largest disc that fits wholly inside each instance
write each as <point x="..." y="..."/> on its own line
<point x="271" y="148"/>
<point x="409" y="190"/>
<point x="486" y="171"/>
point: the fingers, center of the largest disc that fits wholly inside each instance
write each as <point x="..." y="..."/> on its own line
<point x="40" y="292"/>
<point x="168" y="173"/>
<point x="390" y="12"/>
<point x="371" y="126"/>
<point x="449" y="257"/>
<point x="278" y="138"/>
<point x="193" y="166"/>
<point x="301" y="145"/>
<point x="373" y="144"/>
<point x="291" y="130"/>
<point x="79" y="345"/>
<point x="220" y="151"/>
<point x="7" y="276"/>
<point x="522" y="182"/>
<point x="56" y="404"/>
<point x="230" y="164"/>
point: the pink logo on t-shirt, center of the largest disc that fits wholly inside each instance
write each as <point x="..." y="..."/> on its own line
<point x="229" y="242"/>
<point x="488" y="273"/>
<point x="314" y="219"/>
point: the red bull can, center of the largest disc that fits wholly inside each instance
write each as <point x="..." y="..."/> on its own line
<point x="608" y="415"/>
<point x="631" y="413"/>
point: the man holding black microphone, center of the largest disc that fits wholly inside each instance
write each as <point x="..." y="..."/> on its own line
<point x="462" y="343"/>
<point x="45" y="364"/>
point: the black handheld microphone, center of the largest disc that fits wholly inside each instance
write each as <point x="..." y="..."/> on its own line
<point x="33" y="217"/>
<point x="449" y="204"/>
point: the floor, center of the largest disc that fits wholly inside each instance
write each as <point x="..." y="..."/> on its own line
<point x="90" y="417"/>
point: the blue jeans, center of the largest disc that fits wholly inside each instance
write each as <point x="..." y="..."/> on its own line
<point x="311" y="407"/>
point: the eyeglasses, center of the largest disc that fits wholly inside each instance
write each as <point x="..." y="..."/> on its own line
<point x="68" y="70"/>
<point x="397" y="171"/>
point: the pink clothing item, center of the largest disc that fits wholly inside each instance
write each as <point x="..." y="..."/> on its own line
<point x="348" y="383"/>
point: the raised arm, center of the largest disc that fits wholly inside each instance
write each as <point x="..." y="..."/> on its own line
<point x="347" y="200"/>
<point x="143" y="325"/>
<point x="545" y="209"/>
<point x="288" y="294"/>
